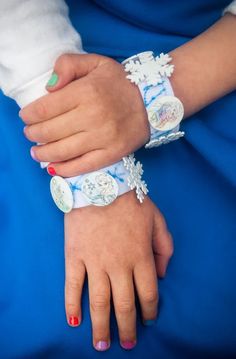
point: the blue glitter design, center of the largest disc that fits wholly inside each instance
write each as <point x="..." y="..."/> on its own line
<point x="75" y="187"/>
<point x="145" y="92"/>
<point x="116" y="175"/>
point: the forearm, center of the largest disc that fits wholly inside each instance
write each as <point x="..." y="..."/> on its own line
<point x="205" y="67"/>
<point x="33" y="35"/>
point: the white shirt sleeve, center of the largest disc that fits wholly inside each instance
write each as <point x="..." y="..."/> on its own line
<point x="33" y="34"/>
<point x="231" y="8"/>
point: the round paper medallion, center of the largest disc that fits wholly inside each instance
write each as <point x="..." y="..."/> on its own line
<point x="100" y="188"/>
<point x="165" y="113"/>
<point x="61" y="194"/>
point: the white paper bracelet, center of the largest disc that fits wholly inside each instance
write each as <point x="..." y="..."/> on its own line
<point x="99" y="188"/>
<point x="165" y="111"/>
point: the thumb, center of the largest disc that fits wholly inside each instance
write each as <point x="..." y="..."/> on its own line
<point x="70" y="67"/>
<point x="162" y="244"/>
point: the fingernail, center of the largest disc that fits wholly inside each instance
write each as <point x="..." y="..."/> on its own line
<point x="20" y="113"/>
<point x="149" y="322"/>
<point x="74" y="321"/>
<point x="24" y="130"/>
<point x="128" y="344"/>
<point x="101" y="345"/>
<point x="53" y="80"/>
<point x="33" y="155"/>
<point x="51" y="171"/>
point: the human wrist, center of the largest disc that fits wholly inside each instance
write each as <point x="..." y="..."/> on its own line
<point x="99" y="188"/>
<point x="164" y="110"/>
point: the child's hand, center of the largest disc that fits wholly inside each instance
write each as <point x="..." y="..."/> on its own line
<point x="91" y="122"/>
<point x="115" y="246"/>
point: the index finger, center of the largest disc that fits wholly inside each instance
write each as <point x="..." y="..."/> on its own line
<point x="51" y="105"/>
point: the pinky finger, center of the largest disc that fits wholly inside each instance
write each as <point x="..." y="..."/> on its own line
<point x="162" y="244"/>
<point x="91" y="161"/>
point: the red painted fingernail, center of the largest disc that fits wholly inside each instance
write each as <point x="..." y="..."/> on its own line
<point x="128" y="344"/>
<point x="51" y="171"/>
<point x="74" y="321"/>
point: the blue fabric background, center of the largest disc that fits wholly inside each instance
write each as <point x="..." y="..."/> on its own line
<point x="193" y="181"/>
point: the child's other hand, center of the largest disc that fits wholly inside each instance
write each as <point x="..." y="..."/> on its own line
<point x="121" y="246"/>
<point x="92" y="118"/>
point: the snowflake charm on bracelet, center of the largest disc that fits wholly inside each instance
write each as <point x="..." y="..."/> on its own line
<point x="135" y="177"/>
<point x="149" y="68"/>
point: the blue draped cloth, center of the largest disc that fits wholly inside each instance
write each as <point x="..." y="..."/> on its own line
<point x="193" y="182"/>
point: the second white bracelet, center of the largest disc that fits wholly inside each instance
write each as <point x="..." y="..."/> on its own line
<point x="99" y="188"/>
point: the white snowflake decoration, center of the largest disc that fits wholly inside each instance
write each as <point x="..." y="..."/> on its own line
<point x="149" y="68"/>
<point x="163" y="140"/>
<point x="135" y="177"/>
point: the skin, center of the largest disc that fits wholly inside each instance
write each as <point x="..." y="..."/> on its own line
<point x="92" y="118"/>
<point x="91" y="94"/>
<point x="120" y="257"/>
<point x="126" y="231"/>
<point x="99" y="116"/>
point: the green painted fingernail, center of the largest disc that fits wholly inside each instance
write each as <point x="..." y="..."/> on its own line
<point x="53" y="80"/>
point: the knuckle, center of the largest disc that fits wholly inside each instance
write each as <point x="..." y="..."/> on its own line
<point x="100" y="302"/>
<point x="41" y="109"/>
<point x="60" y="153"/>
<point x="169" y="250"/>
<point x="93" y="87"/>
<point x="44" y="132"/>
<point x="71" y="252"/>
<point x="125" y="307"/>
<point x="150" y="297"/>
<point x="72" y="284"/>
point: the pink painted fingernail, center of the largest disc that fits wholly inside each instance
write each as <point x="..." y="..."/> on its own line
<point x="33" y="154"/>
<point x="128" y="344"/>
<point x="101" y="345"/>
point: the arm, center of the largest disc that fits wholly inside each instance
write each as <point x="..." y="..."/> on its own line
<point x="123" y="228"/>
<point x="205" y="67"/>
